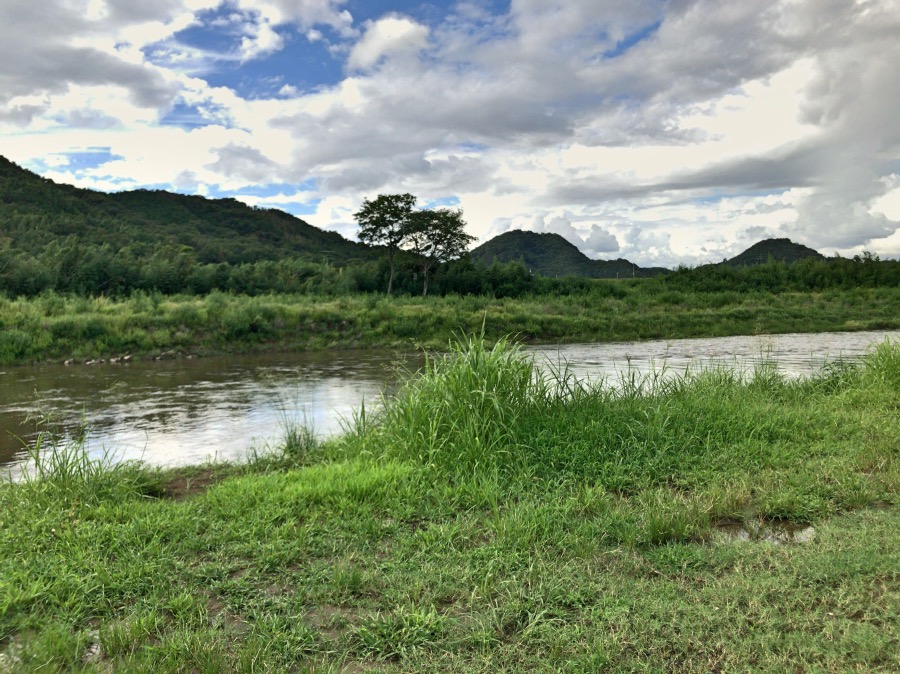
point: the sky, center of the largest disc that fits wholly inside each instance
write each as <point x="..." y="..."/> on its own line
<point x="663" y="131"/>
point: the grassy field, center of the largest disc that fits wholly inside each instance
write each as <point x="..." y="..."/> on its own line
<point x="61" y="327"/>
<point x="487" y="521"/>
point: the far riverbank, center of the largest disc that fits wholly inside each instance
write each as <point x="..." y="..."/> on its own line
<point x="59" y="327"/>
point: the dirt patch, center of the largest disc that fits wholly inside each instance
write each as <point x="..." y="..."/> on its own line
<point x="183" y="486"/>
<point x="358" y="667"/>
<point x="775" y="532"/>
<point x="10" y="655"/>
<point x="332" y="621"/>
<point x="94" y="653"/>
<point x="218" y="612"/>
<point x="237" y="574"/>
<point x="277" y="589"/>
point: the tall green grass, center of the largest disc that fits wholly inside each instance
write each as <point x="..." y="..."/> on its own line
<point x="487" y="410"/>
<point x="62" y="467"/>
<point x="460" y="412"/>
<point x="60" y="326"/>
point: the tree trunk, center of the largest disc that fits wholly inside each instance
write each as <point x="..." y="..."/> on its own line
<point x="391" y="277"/>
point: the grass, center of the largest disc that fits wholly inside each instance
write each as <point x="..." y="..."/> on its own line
<point x="62" y="327"/>
<point x="489" y="519"/>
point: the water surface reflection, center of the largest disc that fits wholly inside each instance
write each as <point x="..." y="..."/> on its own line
<point x="186" y="411"/>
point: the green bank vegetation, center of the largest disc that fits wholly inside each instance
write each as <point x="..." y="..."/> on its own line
<point x="54" y="326"/>
<point x="487" y="520"/>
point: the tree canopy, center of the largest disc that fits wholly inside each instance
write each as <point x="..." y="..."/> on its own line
<point x="434" y="236"/>
<point x="437" y="236"/>
<point x="385" y="222"/>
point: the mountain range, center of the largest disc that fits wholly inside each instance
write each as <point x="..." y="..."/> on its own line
<point x="36" y="211"/>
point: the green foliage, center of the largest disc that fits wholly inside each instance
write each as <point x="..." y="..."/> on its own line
<point x="811" y="273"/>
<point x="352" y="557"/>
<point x="399" y="634"/>
<point x="60" y="238"/>
<point x="437" y="236"/>
<point x="487" y="410"/>
<point x="385" y="222"/>
<point x="536" y="309"/>
<point x="72" y="240"/>
<point x="459" y="412"/>
<point x="781" y="250"/>
<point x="64" y="468"/>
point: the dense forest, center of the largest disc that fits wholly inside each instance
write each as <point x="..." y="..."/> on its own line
<point x="68" y="240"/>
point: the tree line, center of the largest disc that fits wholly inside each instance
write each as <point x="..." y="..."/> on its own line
<point x="810" y="274"/>
<point x="71" y="266"/>
<point x="422" y="251"/>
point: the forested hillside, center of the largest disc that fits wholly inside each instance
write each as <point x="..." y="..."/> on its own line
<point x="781" y="250"/>
<point x="34" y="211"/>
<point x="551" y="255"/>
<point x="60" y="238"/>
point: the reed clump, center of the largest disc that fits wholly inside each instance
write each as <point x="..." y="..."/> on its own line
<point x="487" y="409"/>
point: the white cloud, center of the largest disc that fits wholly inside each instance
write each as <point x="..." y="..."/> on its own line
<point x="304" y="13"/>
<point x="660" y="132"/>
<point x="261" y="39"/>
<point x="389" y="36"/>
<point x="888" y="204"/>
<point x="281" y="201"/>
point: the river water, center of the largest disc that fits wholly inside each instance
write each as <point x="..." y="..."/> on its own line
<point x="187" y="411"/>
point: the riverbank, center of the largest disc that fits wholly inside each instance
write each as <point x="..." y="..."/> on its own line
<point x="689" y="524"/>
<point x="58" y="327"/>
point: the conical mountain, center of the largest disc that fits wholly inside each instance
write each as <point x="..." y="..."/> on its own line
<point x="782" y="250"/>
<point x="550" y="254"/>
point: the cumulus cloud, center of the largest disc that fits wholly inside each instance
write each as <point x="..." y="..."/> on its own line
<point x="888" y="203"/>
<point x="245" y="163"/>
<point x="41" y="57"/>
<point x="599" y="241"/>
<point x="303" y="13"/>
<point x="389" y="36"/>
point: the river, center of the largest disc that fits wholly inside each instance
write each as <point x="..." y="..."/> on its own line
<point x="186" y="411"/>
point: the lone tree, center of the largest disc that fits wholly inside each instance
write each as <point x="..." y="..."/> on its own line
<point x="436" y="236"/>
<point x="385" y="222"/>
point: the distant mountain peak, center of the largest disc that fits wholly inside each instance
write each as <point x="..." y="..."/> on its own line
<point x="550" y="254"/>
<point x="782" y="250"/>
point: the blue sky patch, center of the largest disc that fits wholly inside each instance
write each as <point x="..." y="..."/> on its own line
<point x="631" y="40"/>
<point x="442" y="202"/>
<point x="301" y="64"/>
<point x="89" y="159"/>
<point x="185" y="116"/>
